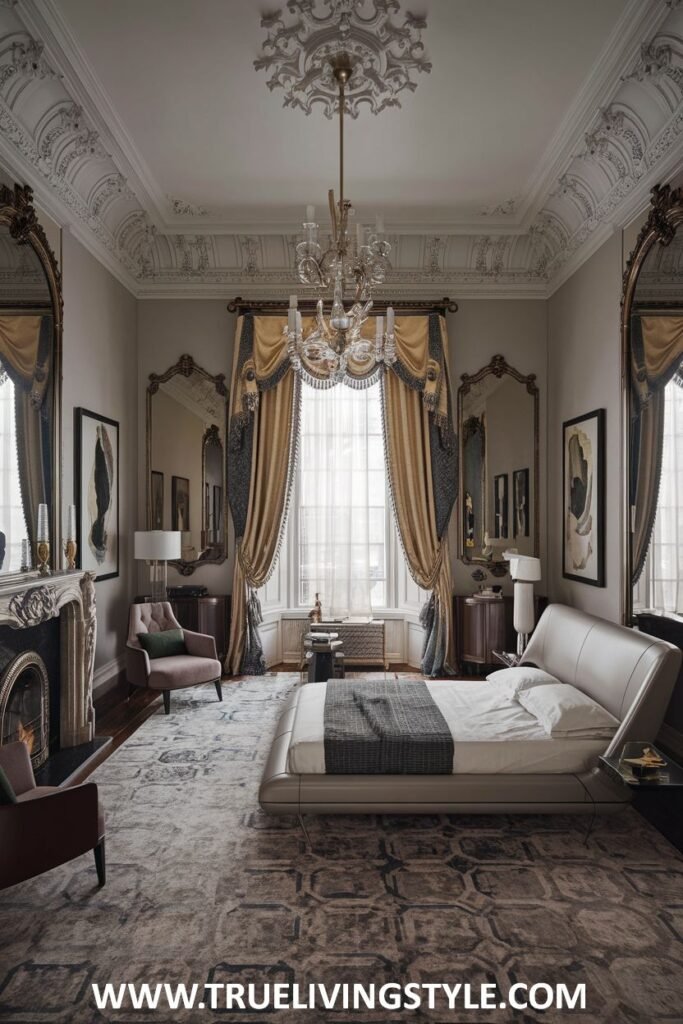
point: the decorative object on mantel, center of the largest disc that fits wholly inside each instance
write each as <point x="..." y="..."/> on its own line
<point x="583" y="508"/>
<point x="43" y="540"/>
<point x="97" y="492"/>
<point x="26" y="562"/>
<point x="525" y="571"/>
<point x="70" y="544"/>
<point x="158" y="547"/>
<point x="362" y="262"/>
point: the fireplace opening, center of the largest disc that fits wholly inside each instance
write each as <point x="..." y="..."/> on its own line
<point x="25" y="705"/>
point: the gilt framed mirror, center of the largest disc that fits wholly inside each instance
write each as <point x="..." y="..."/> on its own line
<point x="30" y="383"/>
<point x="652" y="379"/>
<point x="498" y="410"/>
<point x="187" y="422"/>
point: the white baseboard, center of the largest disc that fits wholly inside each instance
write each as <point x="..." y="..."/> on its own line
<point x="106" y="676"/>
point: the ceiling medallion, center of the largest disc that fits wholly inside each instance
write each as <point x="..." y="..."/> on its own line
<point x="300" y="52"/>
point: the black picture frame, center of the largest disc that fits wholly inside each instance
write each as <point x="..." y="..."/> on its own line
<point x="156" y="493"/>
<point x="96" y="479"/>
<point x="180" y="494"/>
<point x="583" y="499"/>
<point x="520" y="513"/>
<point x="501" y="504"/>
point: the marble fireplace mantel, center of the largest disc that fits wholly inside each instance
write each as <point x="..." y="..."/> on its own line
<point x="30" y="599"/>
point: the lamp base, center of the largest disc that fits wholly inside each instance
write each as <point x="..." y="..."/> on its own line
<point x="158" y="581"/>
<point x="524" y="613"/>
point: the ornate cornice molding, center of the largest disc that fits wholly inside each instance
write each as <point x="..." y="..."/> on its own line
<point x="54" y="136"/>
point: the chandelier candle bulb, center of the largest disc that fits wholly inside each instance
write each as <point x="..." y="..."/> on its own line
<point x="379" y="331"/>
<point x="379" y="225"/>
<point x="390" y="319"/>
<point x="310" y="214"/>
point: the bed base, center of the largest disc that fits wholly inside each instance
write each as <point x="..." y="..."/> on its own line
<point x="285" y="793"/>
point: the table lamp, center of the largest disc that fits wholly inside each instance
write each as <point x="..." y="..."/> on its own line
<point x="157" y="547"/>
<point x="525" y="571"/>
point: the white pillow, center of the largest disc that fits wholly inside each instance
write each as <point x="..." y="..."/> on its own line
<point x="567" y="713"/>
<point x="523" y="677"/>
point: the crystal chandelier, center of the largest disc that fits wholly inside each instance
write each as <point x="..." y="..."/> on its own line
<point x="359" y="260"/>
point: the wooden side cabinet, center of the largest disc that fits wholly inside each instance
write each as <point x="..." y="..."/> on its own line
<point x="482" y="629"/>
<point x="207" y="614"/>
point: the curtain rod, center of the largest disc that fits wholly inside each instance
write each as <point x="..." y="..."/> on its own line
<point x="278" y="307"/>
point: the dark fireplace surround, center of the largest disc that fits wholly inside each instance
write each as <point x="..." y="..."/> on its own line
<point x="47" y="650"/>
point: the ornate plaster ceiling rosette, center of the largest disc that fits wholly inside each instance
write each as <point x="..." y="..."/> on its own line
<point x="386" y="54"/>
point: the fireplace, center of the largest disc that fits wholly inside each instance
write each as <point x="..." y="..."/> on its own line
<point x="25" y="705"/>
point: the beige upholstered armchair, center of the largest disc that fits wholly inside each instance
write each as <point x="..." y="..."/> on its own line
<point x="47" y="825"/>
<point x="199" y="665"/>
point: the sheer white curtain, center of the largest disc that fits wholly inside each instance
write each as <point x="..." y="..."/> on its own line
<point x="342" y="501"/>
<point x="663" y="572"/>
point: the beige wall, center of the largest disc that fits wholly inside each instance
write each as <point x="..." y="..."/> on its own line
<point x="583" y="375"/>
<point x="100" y="373"/>
<point x="517" y="330"/>
<point x="167" y="328"/>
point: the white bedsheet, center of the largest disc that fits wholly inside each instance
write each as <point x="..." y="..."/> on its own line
<point x="492" y="733"/>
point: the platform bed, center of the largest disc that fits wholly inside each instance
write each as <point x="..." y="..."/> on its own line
<point x="628" y="673"/>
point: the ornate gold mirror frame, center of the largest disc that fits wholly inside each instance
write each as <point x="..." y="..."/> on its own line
<point x="664" y="219"/>
<point x="498" y="367"/>
<point x="19" y="216"/>
<point x="186" y="367"/>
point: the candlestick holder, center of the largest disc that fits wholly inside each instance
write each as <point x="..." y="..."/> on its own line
<point x="43" y="555"/>
<point x="70" y="550"/>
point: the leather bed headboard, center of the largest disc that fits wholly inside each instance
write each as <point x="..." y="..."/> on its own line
<point x="631" y="674"/>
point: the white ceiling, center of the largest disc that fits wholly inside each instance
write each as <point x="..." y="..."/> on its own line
<point x="474" y="134"/>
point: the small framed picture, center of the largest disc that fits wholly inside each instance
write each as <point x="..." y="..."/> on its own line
<point x="500" y="505"/>
<point x="583" y="509"/>
<point x="520" y="502"/>
<point x="180" y="503"/>
<point x="157" y="503"/>
<point x="96" y="486"/>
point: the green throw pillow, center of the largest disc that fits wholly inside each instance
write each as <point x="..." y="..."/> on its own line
<point x="7" y="794"/>
<point x="165" y="644"/>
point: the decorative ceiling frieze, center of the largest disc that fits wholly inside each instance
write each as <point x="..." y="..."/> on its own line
<point x="54" y="138"/>
<point x="301" y="41"/>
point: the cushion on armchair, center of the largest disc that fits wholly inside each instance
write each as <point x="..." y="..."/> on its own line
<point x="166" y="643"/>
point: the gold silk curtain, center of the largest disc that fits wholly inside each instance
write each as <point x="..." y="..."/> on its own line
<point x="421" y="448"/>
<point x="657" y="354"/>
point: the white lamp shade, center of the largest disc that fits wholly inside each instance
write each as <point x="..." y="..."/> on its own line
<point x="161" y="545"/>
<point x="523" y="567"/>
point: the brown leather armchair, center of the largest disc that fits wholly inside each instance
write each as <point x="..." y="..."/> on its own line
<point x="199" y="665"/>
<point x="48" y="825"/>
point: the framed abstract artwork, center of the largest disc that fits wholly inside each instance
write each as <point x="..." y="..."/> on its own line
<point x="157" y="500"/>
<point x="500" y="505"/>
<point x="520" y="503"/>
<point x="583" y="498"/>
<point x="180" y="503"/>
<point x="96" y="485"/>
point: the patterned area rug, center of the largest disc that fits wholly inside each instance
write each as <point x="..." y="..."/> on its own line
<point x="202" y="886"/>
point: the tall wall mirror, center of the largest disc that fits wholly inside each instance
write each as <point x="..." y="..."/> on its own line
<point x="187" y="415"/>
<point x="30" y="375"/>
<point x="498" y="410"/>
<point x="652" y="332"/>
